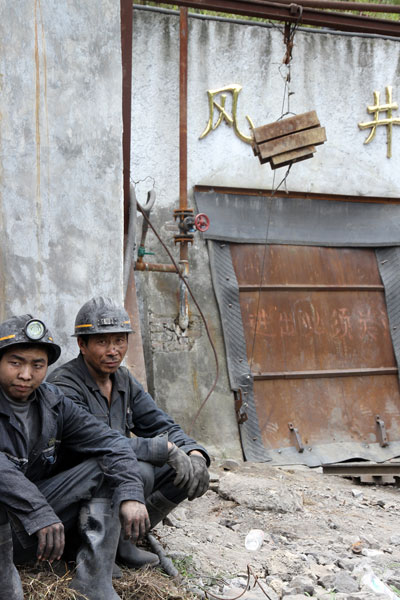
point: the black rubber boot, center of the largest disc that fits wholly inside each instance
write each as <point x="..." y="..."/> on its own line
<point x="99" y="528"/>
<point x="158" y="507"/>
<point x="133" y="557"/>
<point x="10" y="582"/>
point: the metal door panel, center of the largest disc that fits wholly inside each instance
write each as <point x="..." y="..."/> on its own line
<point x="300" y="330"/>
<point x="327" y="411"/>
<point x="304" y="264"/>
<point x="318" y="345"/>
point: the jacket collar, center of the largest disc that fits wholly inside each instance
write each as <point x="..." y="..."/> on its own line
<point x="117" y="378"/>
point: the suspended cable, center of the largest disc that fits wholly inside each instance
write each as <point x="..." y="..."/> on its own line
<point x="289" y="36"/>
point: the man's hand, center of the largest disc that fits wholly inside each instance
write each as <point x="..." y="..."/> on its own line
<point x="51" y="542"/>
<point x="201" y="477"/>
<point x="182" y="465"/>
<point x="134" y="520"/>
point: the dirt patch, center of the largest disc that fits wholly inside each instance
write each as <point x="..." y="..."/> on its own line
<point x="322" y="534"/>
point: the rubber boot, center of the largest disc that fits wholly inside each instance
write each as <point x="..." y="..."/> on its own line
<point x="116" y="572"/>
<point x="133" y="557"/>
<point x="158" y="507"/>
<point x="10" y="582"/>
<point x="129" y="554"/>
<point x="99" y="528"/>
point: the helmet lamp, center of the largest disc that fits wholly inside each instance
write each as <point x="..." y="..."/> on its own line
<point x="35" y="329"/>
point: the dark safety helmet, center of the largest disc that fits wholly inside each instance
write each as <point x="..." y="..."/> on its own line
<point x="27" y="330"/>
<point x="102" y="315"/>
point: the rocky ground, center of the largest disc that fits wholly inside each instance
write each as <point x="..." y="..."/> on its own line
<point x="326" y="537"/>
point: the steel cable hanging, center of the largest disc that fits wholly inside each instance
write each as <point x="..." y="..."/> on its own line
<point x="289" y="36"/>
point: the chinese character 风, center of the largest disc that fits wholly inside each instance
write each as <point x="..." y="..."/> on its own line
<point x="231" y="120"/>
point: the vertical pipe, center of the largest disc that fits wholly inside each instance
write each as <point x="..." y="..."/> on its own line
<point x="126" y="56"/>
<point x="183" y="78"/>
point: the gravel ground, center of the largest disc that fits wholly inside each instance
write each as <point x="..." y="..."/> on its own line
<point x="325" y="536"/>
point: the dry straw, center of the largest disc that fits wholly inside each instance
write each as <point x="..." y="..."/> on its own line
<point x="45" y="582"/>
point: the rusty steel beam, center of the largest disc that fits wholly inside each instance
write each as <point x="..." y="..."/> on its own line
<point x="183" y="82"/>
<point x="292" y="195"/>
<point x="362" y="372"/>
<point x="343" y="5"/>
<point x="363" y="468"/>
<point x="126" y="10"/>
<point x="294" y="13"/>
<point x="309" y="287"/>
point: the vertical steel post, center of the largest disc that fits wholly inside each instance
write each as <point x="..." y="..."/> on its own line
<point x="126" y="56"/>
<point x="183" y="77"/>
<point x="183" y="200"/>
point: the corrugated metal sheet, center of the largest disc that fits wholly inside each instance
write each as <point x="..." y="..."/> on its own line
<point x="299" y="221"/>
<point x="227" y="294"/>
<point x="389" y="269"/>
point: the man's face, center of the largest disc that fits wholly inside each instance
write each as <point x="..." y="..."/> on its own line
<point x="22" y="370"/>
<point x="104" y="352"/>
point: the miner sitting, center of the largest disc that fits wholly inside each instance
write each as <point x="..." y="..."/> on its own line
<point x="173" y="466"/>
<point x="40" y="502"/>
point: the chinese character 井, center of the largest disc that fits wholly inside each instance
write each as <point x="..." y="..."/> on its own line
<point x="223" y="115"/>
<point x="389" y="121"/>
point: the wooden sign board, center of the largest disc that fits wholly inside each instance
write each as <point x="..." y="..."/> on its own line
<point x="289" y="140"/>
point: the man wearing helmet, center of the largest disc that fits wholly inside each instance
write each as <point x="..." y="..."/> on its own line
<point x="40" y="500"/>
<point x="173" y="466"/>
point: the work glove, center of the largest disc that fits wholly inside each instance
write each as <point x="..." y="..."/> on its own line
<point x="201" y="477"/>
<point x="182" y="465"/>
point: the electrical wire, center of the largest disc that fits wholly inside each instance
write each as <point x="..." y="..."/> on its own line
<point x="246" y="589"/>
<point x="200" y="312"/>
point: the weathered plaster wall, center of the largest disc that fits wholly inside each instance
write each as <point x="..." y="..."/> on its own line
<point x="60" y="158"/>
<point x="334" y="74"/>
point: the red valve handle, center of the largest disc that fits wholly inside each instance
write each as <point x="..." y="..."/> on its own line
<point x="202" y="222"/>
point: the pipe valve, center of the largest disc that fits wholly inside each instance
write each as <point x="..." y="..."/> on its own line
<point x="202" y="222"/>
<point x="189" y="224"/>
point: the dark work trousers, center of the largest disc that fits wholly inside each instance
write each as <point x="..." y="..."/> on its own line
<point x="159" y="479"/>
<point x="163" y="482"/>
<point x="65" y="493"/>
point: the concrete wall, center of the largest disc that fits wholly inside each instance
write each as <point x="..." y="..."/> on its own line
<point x="61" y="164"/>
<point x="60" y="158"/>
<point x="334" y="74"/>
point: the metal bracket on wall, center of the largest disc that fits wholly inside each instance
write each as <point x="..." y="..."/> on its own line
<point x="240" y="407"/>
<point x="381" y="432"/>
<point x="297" y="437"/>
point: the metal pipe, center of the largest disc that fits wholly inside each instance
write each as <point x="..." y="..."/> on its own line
<point x="126" y="9"/>
<point x="309" y="16"/>
<point x="183" y="297"/>
<point x="183" y="77"/>
<point x="343" y="5"/>
<point x="142" y="266"/>
<point x="130" y="240"/>
<point x="183" y="203"/>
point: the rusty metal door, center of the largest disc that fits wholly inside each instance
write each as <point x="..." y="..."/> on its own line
<point x="318" y="345"/>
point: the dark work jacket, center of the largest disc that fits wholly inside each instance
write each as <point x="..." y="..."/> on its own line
<point x="132" y="410"/>
<point x="64" y="428"/>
